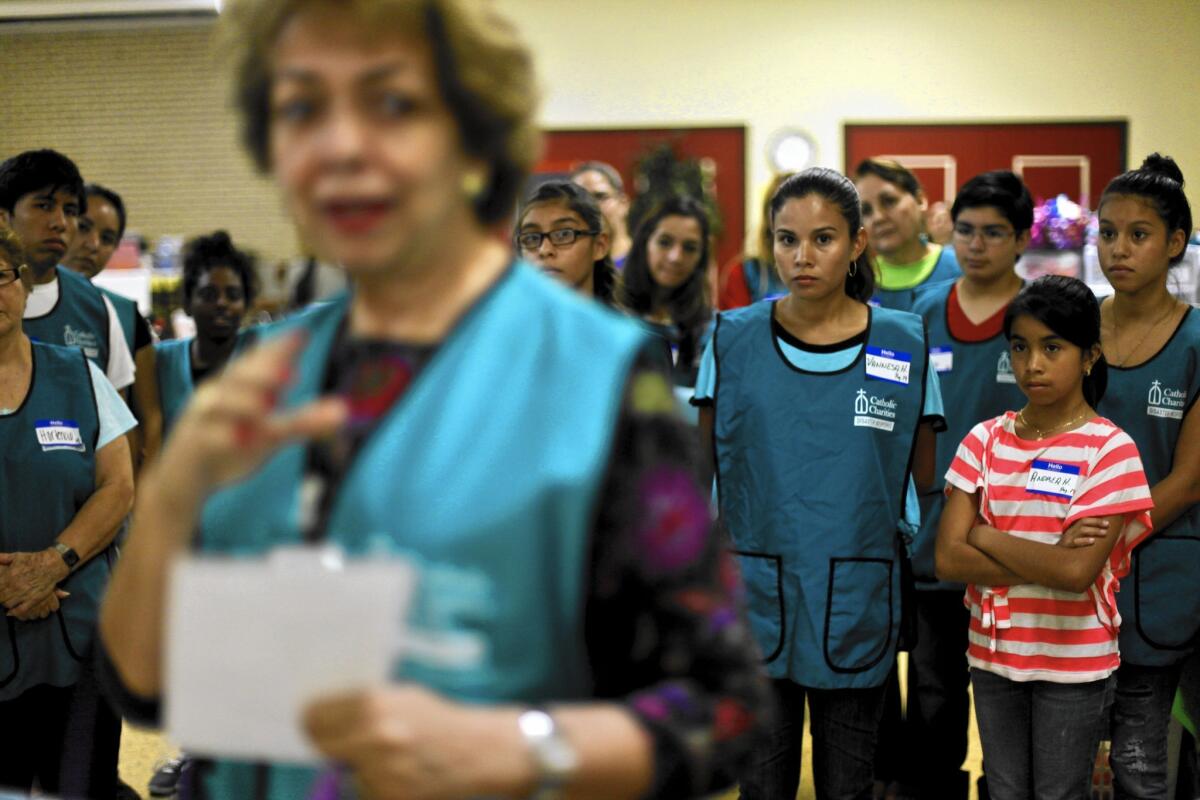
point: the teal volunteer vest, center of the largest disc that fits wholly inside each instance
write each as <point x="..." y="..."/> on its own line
<point x="78" y="319"/>
<point x="812" y="473"/>
<point x="47" y="473"/>
<point x="945" y="269"/>
<point x="1159" y="600"/>
<point x="173" y="367"/>
<point x="127" y="311"/>
<point x="485" y="474"/>
<point x="977" y="384"/>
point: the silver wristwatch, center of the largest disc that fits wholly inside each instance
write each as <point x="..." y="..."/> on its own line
<point x="554" y="756"/>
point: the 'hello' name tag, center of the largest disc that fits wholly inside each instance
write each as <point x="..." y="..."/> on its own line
<point x="892" y="366"/>
<point x="1053" y="478"/>
<point x="58" y="434"/>
<point x="942" y="358"/>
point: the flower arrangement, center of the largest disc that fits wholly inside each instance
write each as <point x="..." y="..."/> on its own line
<point x="1060" y="224"/>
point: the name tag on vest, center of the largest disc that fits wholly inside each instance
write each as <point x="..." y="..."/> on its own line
<point x="892" y="366"/>
<point x="1053" y="478"/>
<point x="942" y="358"/>
<point x="58" y="434"/>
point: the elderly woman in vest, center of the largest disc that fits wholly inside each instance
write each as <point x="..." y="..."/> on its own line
<point x="66" y="482"/>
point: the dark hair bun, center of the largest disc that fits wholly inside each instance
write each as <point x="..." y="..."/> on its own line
<point x="1159" y="164"/>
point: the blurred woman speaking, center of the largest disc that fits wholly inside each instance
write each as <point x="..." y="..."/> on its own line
<point x="462" y="410"/>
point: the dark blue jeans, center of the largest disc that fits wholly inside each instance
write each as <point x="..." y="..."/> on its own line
<point x="1140" y="714"/>
<point x="1040" y="738"/>
<point x="844" y="725"/>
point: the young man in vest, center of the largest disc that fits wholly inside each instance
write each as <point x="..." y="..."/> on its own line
<point x="41" y="197"/>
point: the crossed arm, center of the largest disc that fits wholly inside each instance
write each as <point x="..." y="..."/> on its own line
<point x="972" y="552"/>
<point x="29" y="580"/>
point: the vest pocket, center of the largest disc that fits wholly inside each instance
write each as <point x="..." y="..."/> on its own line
<point x="1163" y="584"/>
<point x="858" y="613"/>
<point x="762" y="575"/>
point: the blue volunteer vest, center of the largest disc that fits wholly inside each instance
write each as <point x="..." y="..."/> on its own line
<point x="485" y="474"/>
<point x="45" y="478"/>
<point x="127" y="311"/>
<point x="945" y="269"/>
<point x="976" y="385"/>
<point x="173" y="367"/>
<point x="812" y="473"/>
<point x="1159" y="600"/>
<point x="78" y="319"/>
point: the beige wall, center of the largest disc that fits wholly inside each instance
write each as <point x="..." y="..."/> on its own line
<point x="166" y="139"/>
<point x="145" y="112"/>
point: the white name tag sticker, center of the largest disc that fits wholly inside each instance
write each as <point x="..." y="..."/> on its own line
<point x="892" y="366"/>
<point x="58" y="434"/>
<point x="1053" y="478"/>
<point x="942" y="358"/>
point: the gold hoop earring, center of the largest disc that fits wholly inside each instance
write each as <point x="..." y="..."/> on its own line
<point x="473" y="185"/>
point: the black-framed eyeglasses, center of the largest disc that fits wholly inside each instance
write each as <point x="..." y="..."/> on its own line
<point x="9" y="275"/>
<point x="992" y="234"/>
<point x="563" y="237"/>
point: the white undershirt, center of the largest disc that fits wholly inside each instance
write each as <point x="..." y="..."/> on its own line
<point x="120" y="368"/>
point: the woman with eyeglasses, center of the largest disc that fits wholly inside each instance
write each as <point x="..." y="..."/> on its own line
<point x="560" y="229"/>
<point x="460" y="410"/>
<point x="904" y="258"/>
<point x="992" y="215"/>
<point x="66" y="482"/>
<point x="218" y="287"/>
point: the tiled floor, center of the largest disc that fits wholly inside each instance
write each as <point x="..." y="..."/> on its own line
<point x="141" y="750"/>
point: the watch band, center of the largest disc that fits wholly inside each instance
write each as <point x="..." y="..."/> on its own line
<point x="69" y="556"/>
<point x="554" y="756"/>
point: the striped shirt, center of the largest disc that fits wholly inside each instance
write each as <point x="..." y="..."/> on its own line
<point x="1036" y="490"/>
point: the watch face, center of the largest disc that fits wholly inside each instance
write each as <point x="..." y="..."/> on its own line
<point x="69" y="556"/>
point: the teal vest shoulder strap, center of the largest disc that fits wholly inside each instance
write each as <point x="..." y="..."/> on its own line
<point x="78" y="319"/>
<point x="127" y="312"/>
<point x="173" y="366"/>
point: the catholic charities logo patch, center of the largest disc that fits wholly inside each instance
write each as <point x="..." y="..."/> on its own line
<point x="1166" y="403"/>
<point x="82" y="339"/>
<point x="1004" y="372"/>
<point x="874" y="412"/>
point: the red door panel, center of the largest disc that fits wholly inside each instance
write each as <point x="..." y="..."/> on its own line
<point x="1072" y="158"/>
<point x="725" y="147"/>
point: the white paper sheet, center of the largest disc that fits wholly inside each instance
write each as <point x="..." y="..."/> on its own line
<point x="250" y="642"/>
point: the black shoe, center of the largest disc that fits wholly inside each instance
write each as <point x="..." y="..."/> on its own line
<point x="166" y="777"/>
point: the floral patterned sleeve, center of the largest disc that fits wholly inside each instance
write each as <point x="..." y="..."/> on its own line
<point x="665" y="629"/>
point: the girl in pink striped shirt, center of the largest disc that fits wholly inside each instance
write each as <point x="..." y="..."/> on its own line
<point x="1024" y="490"/>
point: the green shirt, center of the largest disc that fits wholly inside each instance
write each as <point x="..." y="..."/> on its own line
<point x="895" y="277"/>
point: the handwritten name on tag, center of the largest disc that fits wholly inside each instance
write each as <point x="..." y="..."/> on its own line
<point x="58" y="434"/>
<point x="893" y="366"/>
<point x="942" y="358"/>
<point x="1053" y="478"/>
